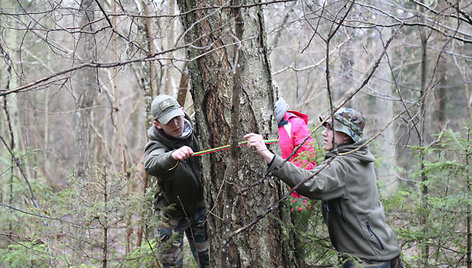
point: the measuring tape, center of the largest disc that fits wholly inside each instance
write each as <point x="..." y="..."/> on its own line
<point x="226" y="147"/>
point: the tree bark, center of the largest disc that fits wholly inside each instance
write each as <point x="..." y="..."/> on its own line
<point x="233" y="95"/>
<point x="183" y="87"/>
<point x="86" y="88"/>
<point x="8" y="125"/>
<point x="423" y="178"/>
<point x="148" y="82"/>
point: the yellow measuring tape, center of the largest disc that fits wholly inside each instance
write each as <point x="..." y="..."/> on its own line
<point x="225" y="147"/>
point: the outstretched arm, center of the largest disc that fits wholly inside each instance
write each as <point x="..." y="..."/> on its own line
<point x="157" y="161"/>
<point x="326" y="185"/>
<point x="255" y="141"/>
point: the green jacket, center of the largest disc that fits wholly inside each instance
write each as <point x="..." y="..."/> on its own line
<point x="179" y="182"/>
<point x="351" y="207"/>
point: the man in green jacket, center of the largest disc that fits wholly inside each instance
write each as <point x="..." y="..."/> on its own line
<point x="179" y="203"/>
<point x="346" y="183"/>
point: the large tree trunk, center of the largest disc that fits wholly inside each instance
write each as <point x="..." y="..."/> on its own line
<point x="233" y="95"/>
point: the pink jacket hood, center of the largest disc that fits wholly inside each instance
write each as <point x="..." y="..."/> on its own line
<point x="290" y="114"/>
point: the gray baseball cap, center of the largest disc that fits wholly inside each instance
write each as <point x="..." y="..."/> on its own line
<point x="164" y="108"/>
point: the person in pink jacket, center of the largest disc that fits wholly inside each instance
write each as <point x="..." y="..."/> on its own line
<point x="293" y="130"/>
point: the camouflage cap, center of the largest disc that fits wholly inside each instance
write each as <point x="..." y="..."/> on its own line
<point x="348" y="121"/>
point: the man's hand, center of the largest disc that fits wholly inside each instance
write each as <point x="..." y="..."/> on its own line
<point x="182" y="153"/>
<point x="255" y="141"/>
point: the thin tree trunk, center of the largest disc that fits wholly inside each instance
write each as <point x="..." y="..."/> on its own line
<point x="12" y="174"/>
<point x="10" y="82"/>
<point x="169" y="81"/>
<point x="147" y="81"/>
<point x="183" y="87"/>
<point x="441" y="96"/>
<point x="423" y="178"/>
<point x="11" y="137"/>
<point x="463" y="69"/>
<point x="440" y="93"/>
<point x="148" y="78"/>
<point x="86" y="88"/>
<point x="105" y="223"/>
<point x="347" y="62"/>
<point x="468" y="221"/>
<point x="142" y="226"/>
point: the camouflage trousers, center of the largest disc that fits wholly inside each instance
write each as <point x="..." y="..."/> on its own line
<point x="394" y="263"/>
<point x="170" y="235"/>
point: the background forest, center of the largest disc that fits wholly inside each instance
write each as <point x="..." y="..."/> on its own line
<point x="77" y="79"/>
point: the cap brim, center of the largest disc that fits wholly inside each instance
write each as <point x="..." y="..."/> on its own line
<point x="323" y="117"/>
<point x="167" y="116"/>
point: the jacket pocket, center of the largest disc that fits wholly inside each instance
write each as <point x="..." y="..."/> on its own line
<point x="341" y="211"/>
<point x="372" y="233"/>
